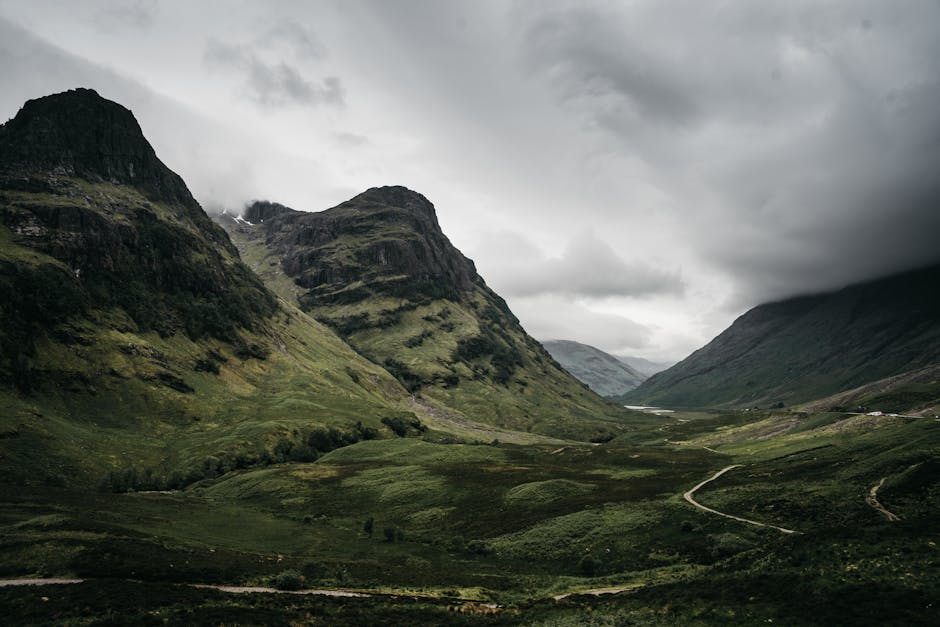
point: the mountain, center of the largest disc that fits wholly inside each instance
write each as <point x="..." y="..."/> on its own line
<point x="379" y="270"/>
<point x="810" y="347"/>
<point x="645" y="367"/>
<point x="133" y="340"/>
<point x="603" y="373"/>
<point x="170" y="428"/>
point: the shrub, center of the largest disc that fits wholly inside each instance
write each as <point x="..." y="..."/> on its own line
<point x="314" y="570"/>
<point x="479" y="547"/>
<point x="588" y="565"/>
<point x="418" y="340"/>
<point x="727" y="544"/>
<point x="409" y="380"/>
<point x="288" y="580"/>
<point x="403" y="425"/>
<point x="206" y="365"/>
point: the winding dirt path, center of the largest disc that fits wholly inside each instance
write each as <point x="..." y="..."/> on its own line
<point x="688" y="497"/>
<point x="872" y="499"/>
<point x="247" y="589"/>
<point x="37" y="582"/>
<point x="599" y="591"/>
<point x="233" y="589"/>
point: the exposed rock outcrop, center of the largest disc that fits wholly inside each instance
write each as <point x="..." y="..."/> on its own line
<point x="400" y="248"/>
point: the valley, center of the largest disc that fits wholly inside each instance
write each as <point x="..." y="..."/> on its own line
<point x="457" y="525"/>
<point x="329" y="417"/>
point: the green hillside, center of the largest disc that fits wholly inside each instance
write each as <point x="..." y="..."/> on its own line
<point x="135" y="347"/>
<point x="809" y="347"/>
<point x="378" y="270"/>
<point x="449" y="533"/>
<point x="603" y="373"/>
<point x="196" y="450"/>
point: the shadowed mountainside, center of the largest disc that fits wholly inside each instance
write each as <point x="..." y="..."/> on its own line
<point x="810" y="347"/>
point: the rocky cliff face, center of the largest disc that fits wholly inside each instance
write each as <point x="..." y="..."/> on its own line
<point x="87" y="210"/>
<point x="387" y="239"/>
<point x="80" y="134"/>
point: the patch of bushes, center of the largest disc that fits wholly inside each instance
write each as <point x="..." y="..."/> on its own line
<point x="402" y="426"/>
<point x="409" y="380"/>
<point x="288" y="580"/>
<point x="727" y="544"/>
<point x="347" y="325"/>
<point x="418" y="340"/>
<point x="588" y="566"/>
<point x="293" y="447"/>
<point x="504" y="359"/>
<point x="479" y="547"/>
<point x="174" y="383"/>
<point x="245" y="350"/>
<point x="206" y="365"/>
<point x="210" y="363"/>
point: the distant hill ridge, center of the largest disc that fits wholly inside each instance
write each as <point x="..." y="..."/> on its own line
<point x="810" y="347"/>
<point x="644" y="366"/>
<point x="603" y="373"/>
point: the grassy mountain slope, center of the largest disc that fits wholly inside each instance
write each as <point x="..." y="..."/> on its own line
<point x="916" y="392"/>
<point x="135" y="347"/>
<point x="603" y="373"/>
<point x="810" y="347"/>
<point x="379" y="271"/>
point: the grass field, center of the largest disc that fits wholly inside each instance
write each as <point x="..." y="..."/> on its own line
<point x="453" y="525"/>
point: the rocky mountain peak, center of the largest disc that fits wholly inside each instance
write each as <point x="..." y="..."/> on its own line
<point x="395" y="196"/>
<point x="261" y="210"/>
<point x="387" y="239"/>
<point x="78" y="133"/>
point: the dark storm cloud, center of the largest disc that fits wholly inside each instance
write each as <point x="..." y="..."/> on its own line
<point x="588" y="267"/>
<point x="584" y="48"/>
<point x="802" y="139"/>
<point x="273" y="83"/>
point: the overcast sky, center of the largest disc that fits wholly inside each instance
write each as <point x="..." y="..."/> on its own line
<point x="631" y="174"/>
